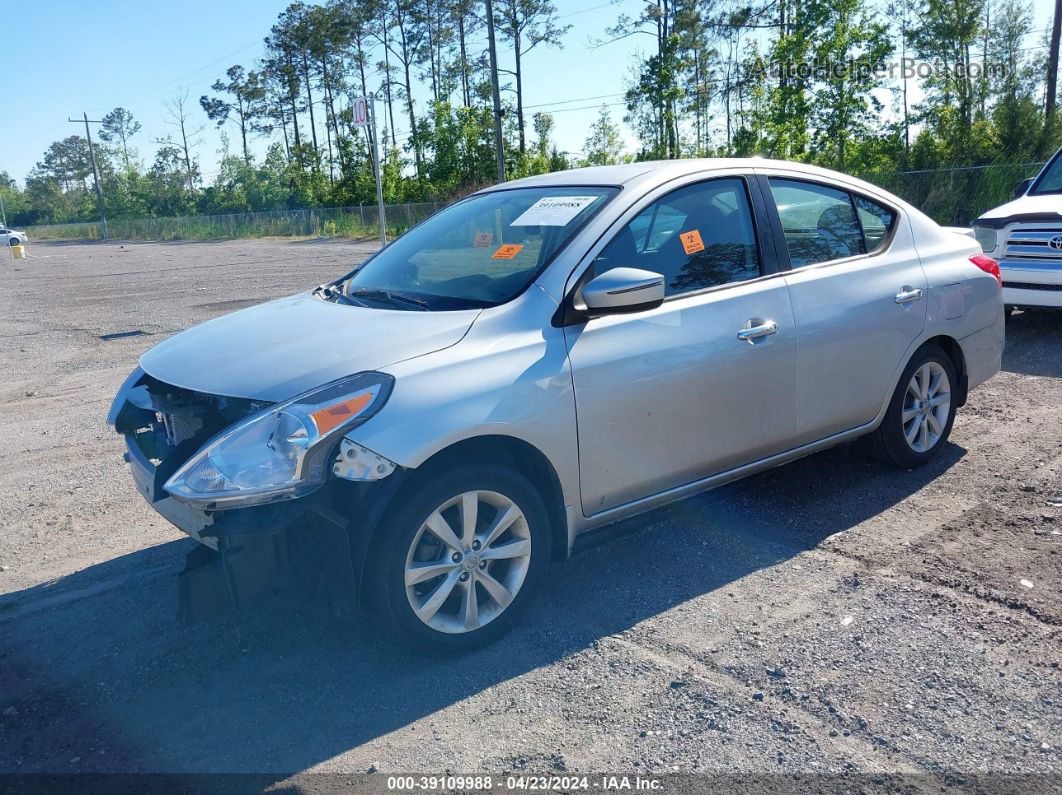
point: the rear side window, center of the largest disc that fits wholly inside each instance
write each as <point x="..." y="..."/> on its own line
<point x="877" y="221"/>
<point x="819" y="223"/>
<point x="698" y="236"/>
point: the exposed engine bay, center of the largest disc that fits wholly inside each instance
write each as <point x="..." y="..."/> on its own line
<point x="173" y="422"/>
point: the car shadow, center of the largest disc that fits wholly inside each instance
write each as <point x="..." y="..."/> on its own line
<point x="1033" y="342"/>
<point x="98" y="676"/>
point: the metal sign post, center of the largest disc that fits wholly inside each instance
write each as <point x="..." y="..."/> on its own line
<point x="364" y="115"/>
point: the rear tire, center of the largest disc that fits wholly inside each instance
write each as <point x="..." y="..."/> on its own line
<point x="446" y="595"/>
<point x="918" y="421"/>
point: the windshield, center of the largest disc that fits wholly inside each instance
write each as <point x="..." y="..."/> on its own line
<point x="1051" y="180"/>
<point x="480" y="252"/>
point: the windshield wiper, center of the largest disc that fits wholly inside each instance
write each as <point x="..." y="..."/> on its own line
<point x="378" y="293"/>
<point x="329" y="292"/>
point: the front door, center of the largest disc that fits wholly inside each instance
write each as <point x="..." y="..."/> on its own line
<point x="672" y="395"/>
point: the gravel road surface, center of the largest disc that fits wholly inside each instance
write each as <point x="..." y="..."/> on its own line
<point x="829" y="616"/>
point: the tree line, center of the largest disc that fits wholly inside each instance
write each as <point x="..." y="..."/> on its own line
<point x="805" y="80"/>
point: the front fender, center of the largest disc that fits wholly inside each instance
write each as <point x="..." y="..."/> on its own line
<point x="509" y="377"/>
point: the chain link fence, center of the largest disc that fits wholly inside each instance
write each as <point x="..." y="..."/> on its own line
<point x="951" y="196"/>
<point x="351" y="222"/>
<point x="956" y="196"/>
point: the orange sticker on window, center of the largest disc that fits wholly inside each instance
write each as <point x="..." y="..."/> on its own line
<point x="691" y="241"/>
<point x="508" y="251"/>
<point x="483" y="239"/>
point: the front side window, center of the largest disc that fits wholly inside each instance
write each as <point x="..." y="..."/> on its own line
<point x="819" y="223"/>
<point x="1051" y="180"/>
<point x="698" y="236"/>
<point x="477" y="253"/>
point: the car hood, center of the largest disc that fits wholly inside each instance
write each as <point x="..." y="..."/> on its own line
<point x="1046" y="205"/>
<point x="282" y="348"/>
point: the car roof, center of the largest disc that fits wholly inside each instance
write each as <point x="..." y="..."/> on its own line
<point x="649" y="173"/>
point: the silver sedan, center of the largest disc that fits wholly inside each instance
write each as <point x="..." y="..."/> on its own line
<point x="426" y="433"/>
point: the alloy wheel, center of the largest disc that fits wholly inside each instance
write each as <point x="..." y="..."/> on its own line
<point x="926" y="407"/>
<point x="467" y="561"/>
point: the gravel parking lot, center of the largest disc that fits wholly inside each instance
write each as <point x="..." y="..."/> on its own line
<point x="829" y="616"/>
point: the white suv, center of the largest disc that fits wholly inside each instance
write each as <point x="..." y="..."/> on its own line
<point x="1025" y="235"/>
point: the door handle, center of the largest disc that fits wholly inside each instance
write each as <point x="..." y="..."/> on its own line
<point x="751" y="333"/>
<point x="908" y="294"/>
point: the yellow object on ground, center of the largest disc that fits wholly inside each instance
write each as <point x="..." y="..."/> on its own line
<point x="19" y="251"/>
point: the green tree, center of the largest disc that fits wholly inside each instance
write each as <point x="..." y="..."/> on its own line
<point x="168" y="194"/>
<point x="652" y="102"/>
<point x="1016" y="113"/>
<point x="465" y="22"/>
<point x="604" y="145"/>
<point x="119" y="127"/>
<point x="16" y="203"/>
<point x="946" y="33"/>
<point x="243" y="105"/>
<point x="460" y="154"/>
<point x="525" y="24"/>
<point x="849" y="44"/>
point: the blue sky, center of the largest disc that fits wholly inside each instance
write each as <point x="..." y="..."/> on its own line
<point x="69" y="57"/>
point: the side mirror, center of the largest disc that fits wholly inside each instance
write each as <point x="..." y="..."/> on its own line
<point x="1021" y="187"/>
<point x="623" y="290"/>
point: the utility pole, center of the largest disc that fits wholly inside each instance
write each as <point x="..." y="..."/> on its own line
<point x="498" y="144"/>
<point x="95" y="171"/>
<point x="1052" y="70"/>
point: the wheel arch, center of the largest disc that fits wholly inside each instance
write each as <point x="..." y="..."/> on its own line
<point x="951" y="346"/>
<point x="528" y="460"/>
<point x="492" y="449"/>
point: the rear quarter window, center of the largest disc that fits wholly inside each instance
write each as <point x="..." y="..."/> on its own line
<point x="877" y="221"/>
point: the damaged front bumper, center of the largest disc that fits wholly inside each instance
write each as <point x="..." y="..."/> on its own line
<point x="302" y="546"/>
<point x="306" y="546"/>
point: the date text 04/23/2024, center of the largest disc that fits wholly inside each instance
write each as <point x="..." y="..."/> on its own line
<point x="528" y="783"/>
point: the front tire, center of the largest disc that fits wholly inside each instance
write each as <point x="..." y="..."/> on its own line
<point x="919" y="418"/>
<point x="458" y="559"/>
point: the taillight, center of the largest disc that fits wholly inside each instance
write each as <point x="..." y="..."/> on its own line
<point x="988" y="265"/>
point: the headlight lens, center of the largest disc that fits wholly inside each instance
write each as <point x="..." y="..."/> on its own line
<point x="282" y="452"/>
<point x="986" y="236"/>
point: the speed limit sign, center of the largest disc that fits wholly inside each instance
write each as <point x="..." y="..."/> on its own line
<point x="360" y="111"/>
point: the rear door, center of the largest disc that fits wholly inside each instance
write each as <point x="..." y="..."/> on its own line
<point x="859" y="298"/>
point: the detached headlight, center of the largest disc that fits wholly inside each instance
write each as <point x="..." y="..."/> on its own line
<point x="986" y="236"/>
<point x="280" y="453"/>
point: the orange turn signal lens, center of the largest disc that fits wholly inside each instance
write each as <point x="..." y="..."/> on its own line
<point x="328" y="418"/>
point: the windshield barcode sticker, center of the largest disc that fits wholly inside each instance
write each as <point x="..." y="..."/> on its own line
<point x="554" y="210"/>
